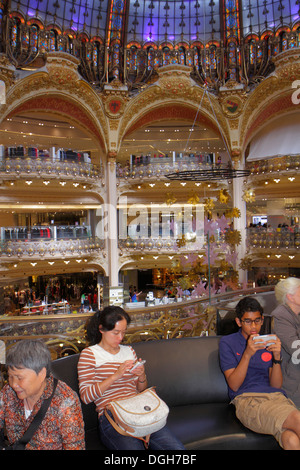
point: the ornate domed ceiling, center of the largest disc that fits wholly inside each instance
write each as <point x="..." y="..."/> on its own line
<point x="160" y="20"/>
<point x="129" y="40"/>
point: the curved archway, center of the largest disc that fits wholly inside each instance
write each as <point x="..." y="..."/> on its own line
<point x="60" y="106"/>
<point x="172" y="128"/>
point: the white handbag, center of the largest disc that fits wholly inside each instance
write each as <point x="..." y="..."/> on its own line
<point x="138" y="416"/>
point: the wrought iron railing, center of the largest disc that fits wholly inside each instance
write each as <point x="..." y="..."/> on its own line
<point x="66" y="333"/>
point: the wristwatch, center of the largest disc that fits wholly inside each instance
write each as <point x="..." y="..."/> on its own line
<point x="277" y="361"/>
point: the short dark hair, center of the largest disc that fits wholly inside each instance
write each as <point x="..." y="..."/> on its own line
<point x="248" y="304"/>
<point x="29" y="354"/>
<point x="107" y="318"/>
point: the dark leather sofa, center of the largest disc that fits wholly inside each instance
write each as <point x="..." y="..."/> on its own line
<point x="187" y="376"/>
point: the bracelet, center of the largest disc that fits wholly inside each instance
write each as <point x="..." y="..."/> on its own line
<point x="277" y="361"/>
<point x="142" y="381"/>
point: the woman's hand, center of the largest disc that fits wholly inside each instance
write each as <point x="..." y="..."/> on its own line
<point x="124" y="367"/>
<point x="139" y="370"/>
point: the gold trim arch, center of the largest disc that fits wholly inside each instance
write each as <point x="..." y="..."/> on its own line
<point x="64" y="93"/>
<point x="173" y="111"/>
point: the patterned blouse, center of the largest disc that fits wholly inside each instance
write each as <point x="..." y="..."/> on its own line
<point x="61" y="429"/>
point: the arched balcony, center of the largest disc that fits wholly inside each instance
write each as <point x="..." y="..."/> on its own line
<point x="25" y="167"/>
<point x="14" y="250"/>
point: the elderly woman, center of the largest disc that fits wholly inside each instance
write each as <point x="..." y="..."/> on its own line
<point x="287" y="328"/>
<point x="29" y="384"/>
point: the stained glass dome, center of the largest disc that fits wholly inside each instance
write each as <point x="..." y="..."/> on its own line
<point x="130" y="40"/>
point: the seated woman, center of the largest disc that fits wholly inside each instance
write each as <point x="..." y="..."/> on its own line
<point x="287" y="328"/>
<point x="104" y="375"/>
<point x="30" y="383"/>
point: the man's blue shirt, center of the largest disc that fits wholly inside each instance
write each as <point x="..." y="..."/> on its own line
<point x="231" y="349"/>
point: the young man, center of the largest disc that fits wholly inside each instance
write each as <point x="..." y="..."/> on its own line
<point x="253" y="373"/>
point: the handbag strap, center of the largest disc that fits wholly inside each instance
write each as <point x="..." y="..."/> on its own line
<point x="145" y="439"/>
<point x="37" y="419"/>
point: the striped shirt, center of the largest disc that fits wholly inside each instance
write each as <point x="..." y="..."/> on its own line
<point x="95" y="365"/>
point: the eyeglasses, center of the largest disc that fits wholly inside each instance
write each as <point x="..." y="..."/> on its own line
<point x="257" y="321"/>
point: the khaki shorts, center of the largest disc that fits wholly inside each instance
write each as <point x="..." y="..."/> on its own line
<point x="264" y="413"/>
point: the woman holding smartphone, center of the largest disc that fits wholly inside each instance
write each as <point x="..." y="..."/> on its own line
<point x="104" y="375"/>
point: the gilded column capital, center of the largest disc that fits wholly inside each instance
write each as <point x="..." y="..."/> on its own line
<point x="112" y="157"/>
<point x="236" y="156"/>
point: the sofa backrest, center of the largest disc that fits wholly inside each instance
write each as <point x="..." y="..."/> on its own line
<point x="184" y="371"/>
<point x="65" y="369"/>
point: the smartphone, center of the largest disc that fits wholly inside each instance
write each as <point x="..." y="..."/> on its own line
<point x="137" y="364"/>
<point x="270" y="339"/>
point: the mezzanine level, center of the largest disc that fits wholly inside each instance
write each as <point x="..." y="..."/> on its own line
<point x="287" y="163"/>
<point x="19" y="249"/>
<point x="49" y="169"/>
<point x="75" y="240"/>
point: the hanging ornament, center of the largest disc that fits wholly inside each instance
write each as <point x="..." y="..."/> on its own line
<point x="171" y="199"/>
<point x="180" y="241"/>
<point x="224" y="265"/>
<point x="249" y="195"/>
<point x="193" y="199"/>
<point x="209" y="205"/>
<point x="245" y="263"/>
<point x="233" y="237"/>
<point x="223" y="196"/>
<point x="234" y="212"/>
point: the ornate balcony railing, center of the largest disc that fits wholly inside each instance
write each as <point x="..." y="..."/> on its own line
<point x="50" y="248"/>
<point x="65" y="333"/>
<point x="160" y="167"/>
<point x="36" y="167"/>
<point x="272" y="238"/>
<point x="286" y="163"/>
